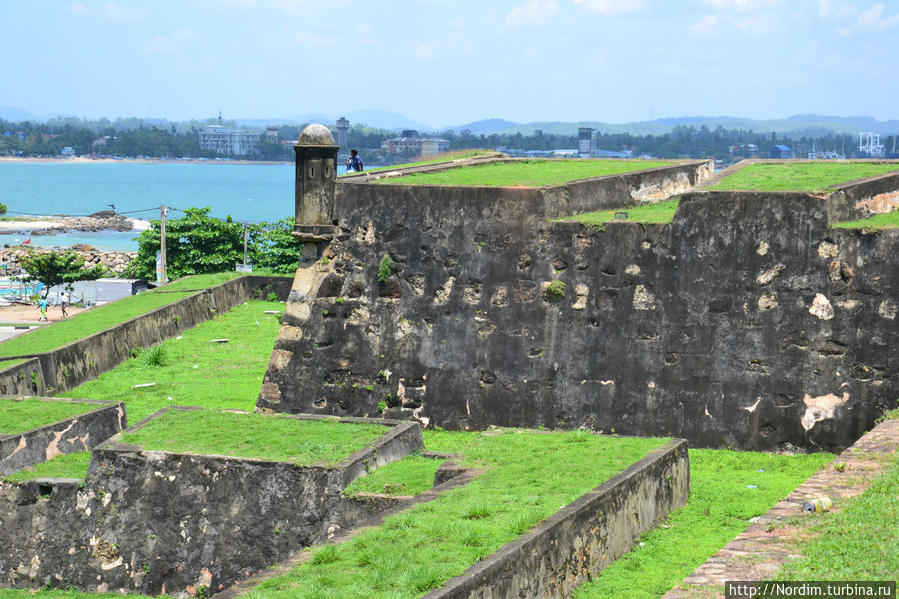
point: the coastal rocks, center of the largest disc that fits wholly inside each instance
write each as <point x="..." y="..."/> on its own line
<point x="115" y="262"/>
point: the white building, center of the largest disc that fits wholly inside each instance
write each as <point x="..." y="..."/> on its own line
<point x="229" y="142"/>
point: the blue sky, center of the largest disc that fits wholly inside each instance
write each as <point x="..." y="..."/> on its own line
<point x="448" y="62"/>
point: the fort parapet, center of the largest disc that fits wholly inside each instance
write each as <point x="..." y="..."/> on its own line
<point x="746" y="322"/>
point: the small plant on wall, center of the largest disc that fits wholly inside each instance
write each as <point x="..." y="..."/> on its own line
<point x="555" y="291"/>
<point x="384" y="269"/>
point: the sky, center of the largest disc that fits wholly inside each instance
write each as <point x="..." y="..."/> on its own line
<point x="451" y="62"/>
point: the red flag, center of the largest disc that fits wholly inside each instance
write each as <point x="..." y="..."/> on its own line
<point x="27" y="241"/>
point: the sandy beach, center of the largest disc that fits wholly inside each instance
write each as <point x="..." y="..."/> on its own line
<point x="30" y="314"/>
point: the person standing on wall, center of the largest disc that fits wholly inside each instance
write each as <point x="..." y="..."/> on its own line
<point x="353" y="162"/>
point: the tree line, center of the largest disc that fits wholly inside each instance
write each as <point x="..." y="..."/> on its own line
<point x="136" y="137"/>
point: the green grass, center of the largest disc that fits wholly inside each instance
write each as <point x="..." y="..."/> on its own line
<point x="529" y="476"/>
<point x="878" y="222"/>
<point x="201" y="281"/>
<point x="412" y="475"/>
<point x="18" y="416"/>
<point x="719" y="508"/>
<point x="658" y="213"/>
<point x="859" y="542"/>
<point x="273" y="437"/>
<point x="70" y="465"/>
<point x="525" y="173"/>
<point x="445" y="157"/>
<point x="103" y="317"/>
<point x="7" y="364"/>
<point x="87" y="323"/>
<point x="195" y="368"/>
<point x="61" y="594"/>
<point x="800" y="176"/>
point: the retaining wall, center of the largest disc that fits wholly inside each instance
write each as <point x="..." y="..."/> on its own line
<point x="163" y="523"/>
<point x="579" y="541"/>
<point x="78" y="433"/>
<point x="746" y="322"/>
<point x="69" y="366"/>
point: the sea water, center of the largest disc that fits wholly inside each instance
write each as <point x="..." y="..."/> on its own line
<point x="251" y="192"/>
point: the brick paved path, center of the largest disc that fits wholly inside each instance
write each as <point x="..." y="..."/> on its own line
<point x="757" y="552"/>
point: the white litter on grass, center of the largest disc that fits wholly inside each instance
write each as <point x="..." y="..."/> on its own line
<point x="138" y="386"/>
<point x="179" y="337"/>
<point x="752" y="486"/>
<point x="170" y="399"/>
<point x="218" y="341"/>
<point x="196" y="365"/>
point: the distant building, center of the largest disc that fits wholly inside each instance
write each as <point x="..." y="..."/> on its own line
<point x="586" y="142"/>
<point x="411" y="142"/>
<point x="271" y="135"/>
<point x="613" y="154"/>
<point x="67" y="151"/>
<point x="780" y="151"/>
<point x="343" y="126"/>
<point x="869" y="145"/>
<point x="229" y="142"/>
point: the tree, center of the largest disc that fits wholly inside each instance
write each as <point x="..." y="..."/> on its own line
<point x="198" y="243"/>
<point x="53" y="268"/>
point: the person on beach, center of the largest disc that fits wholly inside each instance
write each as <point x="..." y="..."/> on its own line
<point x="353" y="162"/>
<point x="43" y="307"/>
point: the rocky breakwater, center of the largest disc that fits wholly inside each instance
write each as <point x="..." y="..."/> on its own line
<point x="115" y="262"/>
<point x="105" y="220"/>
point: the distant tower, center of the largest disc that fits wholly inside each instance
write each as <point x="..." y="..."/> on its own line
<point x="869" y="143"/>
<point x="585" y="141"/>
<point x="316" y="180"/>
<point x="343" y="126"/>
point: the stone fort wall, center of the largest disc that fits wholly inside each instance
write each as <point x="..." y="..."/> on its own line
<point x="747" y="322"/>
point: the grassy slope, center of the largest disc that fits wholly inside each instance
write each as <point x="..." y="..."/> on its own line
<point x="70" y="465"/>
<point x="526" y="173"/>
<point x="98" y="319"/>
<point x="659" y="213"/>
<point x="719" y="508"/>
<point x="860" y="542"/>
<point x="801" y="176"/>
<point x="20" y="416"/>
<point x="264" y="436"/>
<point x="529" y="476"/>
<point x="878" y="222"/>
<point x="410" y="476"/>
<point x="196" y="368"/>
<point x="445" y="157"/>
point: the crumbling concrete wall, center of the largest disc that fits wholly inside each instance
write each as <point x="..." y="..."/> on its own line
<point x="78" y="433"/>
<point x="747" y="322"/>
<point x="155" y="522"/>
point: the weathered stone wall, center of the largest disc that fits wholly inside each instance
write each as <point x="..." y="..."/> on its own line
<point x="19" y="380"/>
<point x="79" y="433"/>
<point x="747" y="322"/>
<point x="157" y="522"/>
<point x="581" y="540"/>
<point x="83" y="360"/>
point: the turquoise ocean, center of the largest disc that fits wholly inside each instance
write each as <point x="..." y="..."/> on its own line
<point x="250" y="192"/>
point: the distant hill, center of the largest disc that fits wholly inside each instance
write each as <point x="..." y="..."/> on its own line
<point x="11" y="113"/>
<point x="810" y="125"/>
<point x="487" y="126"/>
<point x="377" y="119"/>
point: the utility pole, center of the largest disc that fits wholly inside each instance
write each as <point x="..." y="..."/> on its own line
<point x="165" y="277"/>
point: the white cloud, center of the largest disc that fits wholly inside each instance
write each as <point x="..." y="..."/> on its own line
<point x="873" y="19"/>
<point x="169" y="44"/>
<point x="835" y="9"/>
<point x="741" y="5"/>
<point x="706" y="24"/>
<point x="530" y="13"/>
<point x="612" y="7"/>
<point x="77" y="8"/>
<point x="121" y="13"/>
